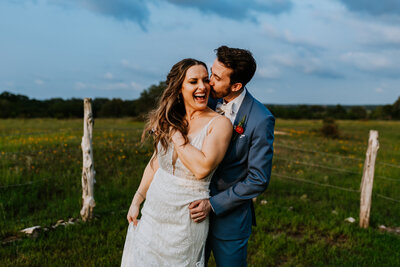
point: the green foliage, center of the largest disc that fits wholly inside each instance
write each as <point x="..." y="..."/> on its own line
<point x="386" y="112"/>
<point x="357" y="113"/>
<point x="302" y="224"/>
<point x="19" y="106"/>
<point x="149" y="98"/>
<point x="396" y="109"/>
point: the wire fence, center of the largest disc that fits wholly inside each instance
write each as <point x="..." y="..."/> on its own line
<point x="334" y="169"/>
<point x="67" y="130"/>
<point x="331" y="186"/>
<point x="334" y="155"/>
<point x="274" y="174"/>
<point x="27" y="183"/>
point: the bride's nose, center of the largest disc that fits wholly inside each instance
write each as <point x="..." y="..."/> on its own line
<point x="202" y="85"/>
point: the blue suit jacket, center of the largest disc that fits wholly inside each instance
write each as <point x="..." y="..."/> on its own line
<point x="244" y="172"/>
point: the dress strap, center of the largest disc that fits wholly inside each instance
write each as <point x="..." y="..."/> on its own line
<point x="208" y="124"/>
<point x="203" y="130"/>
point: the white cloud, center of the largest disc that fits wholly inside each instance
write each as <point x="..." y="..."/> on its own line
<point x="379" y="90"/>
<point x="108" y="76"/>
<point x="108" y="86"/>
<point x="136" y="86"/>
<point x="114" y="86"/>
<point x="269" y="72"/>
<point x="139" y="70"/>
<point x="288" y="37"/>
<point x="366" y="61"/>
<point x="39" y="82"/>
<point x="374" y="33"/>
<point x="125" y="63"/>
<point x="285" y="60"/>
<point x="306" y="65"/>
<point x="80" y="85"/>
<point x="364" y="30"/>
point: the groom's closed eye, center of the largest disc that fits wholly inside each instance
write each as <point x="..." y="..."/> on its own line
<point x="215" y="76"/>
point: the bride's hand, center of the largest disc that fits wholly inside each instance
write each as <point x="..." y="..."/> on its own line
<point x="133" y="213"/>
<point x="176" y="136"/>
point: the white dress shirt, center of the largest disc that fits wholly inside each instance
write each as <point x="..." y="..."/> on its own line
<point x="231" y="109"/>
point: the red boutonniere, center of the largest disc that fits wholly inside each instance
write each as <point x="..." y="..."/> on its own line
<point x="239" y="129"/>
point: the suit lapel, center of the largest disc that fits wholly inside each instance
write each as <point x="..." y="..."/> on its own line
<point x="244" y="109"/>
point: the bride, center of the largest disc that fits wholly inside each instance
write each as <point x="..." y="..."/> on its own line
<point x="190" y="140"/>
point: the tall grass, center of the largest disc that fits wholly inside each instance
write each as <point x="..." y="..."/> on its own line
<point x="300" y="220"/>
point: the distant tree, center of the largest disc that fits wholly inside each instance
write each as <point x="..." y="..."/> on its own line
<point x="112" y="108"/>
<point x="14" y="105"/>
<point x="279" y="111"/>
<point x="129" y="108"/>
<point x="337" y="112"/>
<point x="6" y="108"/>
<point x="357" y="113"/>
<point x="382" y="113"/>
<point x="60" y="108"/>
<point x="396" y="109"/>
<point x="13" y="98"/>
<point x="317" y="112"/>
<point x="149" y="98"/>
<point x="97" y="104"/>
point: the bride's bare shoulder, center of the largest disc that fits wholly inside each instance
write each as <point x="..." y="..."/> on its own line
<point x="219" y="123"/>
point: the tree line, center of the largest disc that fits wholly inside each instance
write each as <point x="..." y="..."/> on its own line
<point x="20" y="106"/>
<point x="369" y="112"/>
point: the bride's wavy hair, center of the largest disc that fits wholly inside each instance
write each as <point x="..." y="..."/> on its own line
<point x="170" y="112"/>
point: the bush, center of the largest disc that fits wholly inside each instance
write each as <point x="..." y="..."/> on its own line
<point x="329" y="128"/>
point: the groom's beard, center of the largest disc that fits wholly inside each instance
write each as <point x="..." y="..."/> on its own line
<point x="217" y="95"/>
<point x="213" y="94"/>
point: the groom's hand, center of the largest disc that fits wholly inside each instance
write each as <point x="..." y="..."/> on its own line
<point x="199" y="210"/>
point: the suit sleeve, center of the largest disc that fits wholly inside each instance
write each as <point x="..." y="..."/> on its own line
<point x="258" y="174"/>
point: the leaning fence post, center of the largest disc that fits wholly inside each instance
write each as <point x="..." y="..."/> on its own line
<point x="368" y="178"/>
<point x="88" y="172"/>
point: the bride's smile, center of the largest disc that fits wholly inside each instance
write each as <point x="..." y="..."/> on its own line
<point x="195" y="89"/>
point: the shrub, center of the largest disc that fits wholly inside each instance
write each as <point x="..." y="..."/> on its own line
<point x="329" y="128"/>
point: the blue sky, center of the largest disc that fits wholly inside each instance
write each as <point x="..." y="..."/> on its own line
<point x="307" y="51"/>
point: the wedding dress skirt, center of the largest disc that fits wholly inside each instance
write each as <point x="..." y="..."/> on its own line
<point x="165" y="234"/>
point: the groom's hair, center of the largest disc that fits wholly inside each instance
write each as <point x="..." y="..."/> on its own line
<point x="241" y="61"/>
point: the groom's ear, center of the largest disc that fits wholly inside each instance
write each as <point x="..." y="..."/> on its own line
<point x="236" y="87"/>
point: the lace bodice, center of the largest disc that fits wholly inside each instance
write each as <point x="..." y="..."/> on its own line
<point x="180" y="170"/>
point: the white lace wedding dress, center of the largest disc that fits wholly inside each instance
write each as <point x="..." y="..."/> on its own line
<point x="165" y="234"/>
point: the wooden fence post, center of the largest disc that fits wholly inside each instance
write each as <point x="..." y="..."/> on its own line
<point x="88" y="172"/>
<point x="368" y="178"/>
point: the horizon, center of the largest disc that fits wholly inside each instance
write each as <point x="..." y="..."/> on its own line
<point x="277" y="104"/>
<point x="312" y="52"/>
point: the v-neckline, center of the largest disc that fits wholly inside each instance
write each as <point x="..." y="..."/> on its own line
<point x="191" y="138"/>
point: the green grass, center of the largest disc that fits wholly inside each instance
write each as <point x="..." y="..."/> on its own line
<point x="301" y="224"/>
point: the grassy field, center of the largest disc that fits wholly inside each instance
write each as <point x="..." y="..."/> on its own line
<point x="301" y="217"/>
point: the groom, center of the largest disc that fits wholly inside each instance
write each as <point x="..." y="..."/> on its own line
<point x="245" y="171"/>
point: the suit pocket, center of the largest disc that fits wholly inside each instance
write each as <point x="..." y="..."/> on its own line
<point x="241" y="146"/>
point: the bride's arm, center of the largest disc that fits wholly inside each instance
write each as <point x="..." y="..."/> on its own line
<point x="141" y="192"/>
<point x="201" y="162"/>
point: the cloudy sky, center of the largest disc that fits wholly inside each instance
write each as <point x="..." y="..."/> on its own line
<point x="307" y="51"/>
